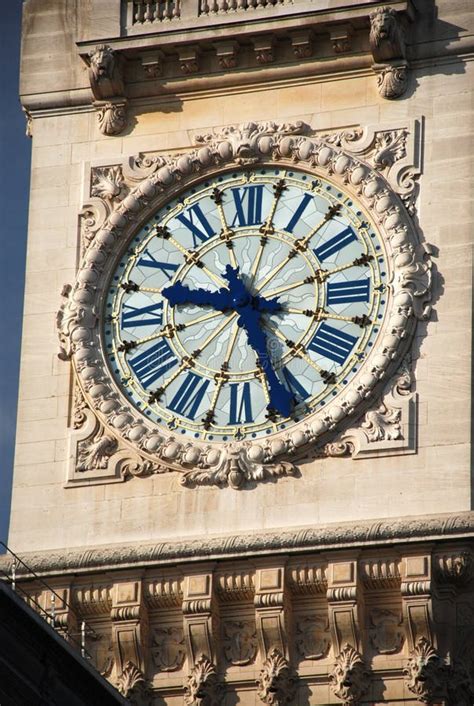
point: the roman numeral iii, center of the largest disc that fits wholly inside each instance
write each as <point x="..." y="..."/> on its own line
<point x="332" y="343"/>
<point x="344" y="292"/>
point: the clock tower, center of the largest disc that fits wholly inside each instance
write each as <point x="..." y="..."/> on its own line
<point x="244" y="448"/>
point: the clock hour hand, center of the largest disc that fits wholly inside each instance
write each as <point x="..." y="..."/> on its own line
<point x="181" y="294"/>
<point x="242" y="297"/>
<point x="281" y="399"/>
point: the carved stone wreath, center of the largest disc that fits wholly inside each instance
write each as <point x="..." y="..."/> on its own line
<point x="384" y="185"/>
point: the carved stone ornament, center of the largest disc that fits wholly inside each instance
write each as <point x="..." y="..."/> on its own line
<point x="386" y="632"/>
<point x="350" y="679"/>
<point x="386" y="430"/>
<point x="239" y="641"/>
<point x="392" y="81"/>
<point x="312" y="637"/>
<point x="203" y="687"/>
<point x="168" y="651"/>
<point x="130" y="678"/>
<point x="276" y="685"/>
<point x="381" y="173"/>
<point x="425" y="673"/>
<point x="107" y="86"/>
<point x="387" y="43"/>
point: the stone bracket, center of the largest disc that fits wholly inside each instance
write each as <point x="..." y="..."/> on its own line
<point x="272" y="613"/>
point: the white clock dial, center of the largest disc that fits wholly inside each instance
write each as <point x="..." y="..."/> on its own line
<point x="313" y="271"/>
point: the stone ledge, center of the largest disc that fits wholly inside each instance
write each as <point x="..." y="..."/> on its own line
<point x="423" y="528"/>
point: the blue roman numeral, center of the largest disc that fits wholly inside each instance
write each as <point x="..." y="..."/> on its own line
<point x="248" y="205"/>
<point x="153" y="315"/>
<point x="201" y="229"/>
<point x="153" y="363"/>
<point x="150" y="261"/>
<point x="298" y="213"/>
<point x="189" y="396"/>
<point x="332" y="343"/>
<point x="240" y="404"/>
<point x="335" y="244"/>
<point x="343" y="292"/>
<point x="294" y="385"/>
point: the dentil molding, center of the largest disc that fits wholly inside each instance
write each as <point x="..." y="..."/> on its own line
<point x="380" y="166"/>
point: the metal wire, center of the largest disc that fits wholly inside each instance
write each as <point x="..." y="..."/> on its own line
<point x="86" y="631"/>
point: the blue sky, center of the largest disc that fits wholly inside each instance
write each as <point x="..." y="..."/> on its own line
<point x="15" y="149"/>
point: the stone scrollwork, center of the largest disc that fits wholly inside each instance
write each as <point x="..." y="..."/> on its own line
<point x="276" y="685"/>
<point x="388" y="428"/>
<point x="426" y="673"/>
<point x="203" y="687"/>
<point x="350" y="678"/>
<point x="378" y="167"/>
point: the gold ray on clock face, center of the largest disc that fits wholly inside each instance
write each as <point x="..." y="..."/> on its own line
<point x="293" y="238"/>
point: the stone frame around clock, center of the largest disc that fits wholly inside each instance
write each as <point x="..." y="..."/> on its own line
<point x="386" y="188"/>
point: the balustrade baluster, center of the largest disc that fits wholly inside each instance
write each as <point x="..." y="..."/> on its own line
<point x="177" y="8"/>
<point x="148" y="16"/>
<point x="138" y="14"/>
<point x="222" y="5"/>
<point x="241" y="4"/>
<point x="232" y="4"/>
<point x="213" y="7"/>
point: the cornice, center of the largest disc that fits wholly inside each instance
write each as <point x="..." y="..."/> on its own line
<point x="340" y="536"/>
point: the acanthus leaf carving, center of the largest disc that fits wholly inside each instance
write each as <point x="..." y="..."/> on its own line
<point x="425" y="673"/>
<point x="239" y="641"/>
<point x="129" y="679"/>
<point x="350" y="678"/>
<point x="107" y="182"/>
<point x="203" y="687"/>
<point x="94" y="455"/>
<point x="276" y="685"/>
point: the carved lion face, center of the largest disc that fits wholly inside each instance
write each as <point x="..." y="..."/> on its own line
<point x="102" y="62"/>
<point x="383" y="25"/>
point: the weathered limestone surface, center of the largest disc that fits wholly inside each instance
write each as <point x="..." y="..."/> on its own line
<point x="165" y="109"/>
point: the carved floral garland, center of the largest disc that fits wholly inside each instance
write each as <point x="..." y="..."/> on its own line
<point x="332" y="156"/>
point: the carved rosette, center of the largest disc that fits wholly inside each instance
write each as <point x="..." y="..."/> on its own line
<point x="203" y="687"/>
<point x="350" y="678"/>
<point x="276" y="684"/>
<point x="426" y="673"/>
<point x="376" y="176"/>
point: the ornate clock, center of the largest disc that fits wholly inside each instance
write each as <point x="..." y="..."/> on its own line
<point x="243" y="302"/>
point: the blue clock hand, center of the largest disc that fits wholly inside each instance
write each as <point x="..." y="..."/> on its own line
<point x="242" y="297"/>
<point x="249" y="309"/>
<point x="181" y="294"/>
<point x="280" y="398"/>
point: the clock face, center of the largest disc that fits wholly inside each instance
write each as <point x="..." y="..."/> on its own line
<point x="246" y="304"/>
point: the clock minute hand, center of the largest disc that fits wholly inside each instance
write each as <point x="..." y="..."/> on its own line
<point x="181" y="294"/>
<point x="280" y="398"/>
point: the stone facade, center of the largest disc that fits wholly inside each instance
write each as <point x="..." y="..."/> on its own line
<point x="337" y="575"/>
